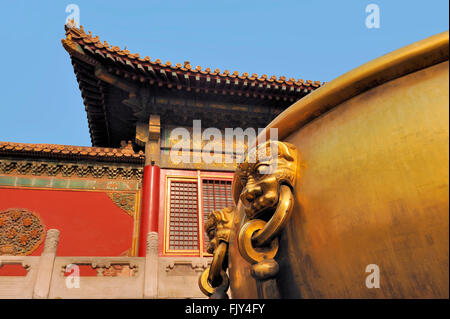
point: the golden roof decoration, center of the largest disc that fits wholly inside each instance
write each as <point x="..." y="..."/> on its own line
<point x="124" y="153"/>
<point x="79" y="36"/>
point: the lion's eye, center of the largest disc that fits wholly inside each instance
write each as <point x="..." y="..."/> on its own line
<point x="263" y="169"/>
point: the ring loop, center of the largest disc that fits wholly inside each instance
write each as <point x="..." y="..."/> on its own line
<point x="251" y="254"/>
<point x="278" y="219"/>
<point x="214" y="277"/>
<point x="206" y="288"/>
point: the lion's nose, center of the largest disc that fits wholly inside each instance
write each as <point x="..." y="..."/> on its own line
<point x="251" y="193"/>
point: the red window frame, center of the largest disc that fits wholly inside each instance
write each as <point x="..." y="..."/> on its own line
<point x="169" y="176"/>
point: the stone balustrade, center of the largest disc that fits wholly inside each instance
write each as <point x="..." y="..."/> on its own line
<point x="16" y="287"/>
<point x="153" y="276"/>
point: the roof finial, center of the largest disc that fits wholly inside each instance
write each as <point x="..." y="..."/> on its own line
<point x="126" y="146"/>
<point x="71" y="24"/>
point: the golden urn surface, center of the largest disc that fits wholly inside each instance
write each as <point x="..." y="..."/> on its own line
<point x="365" y="182"/>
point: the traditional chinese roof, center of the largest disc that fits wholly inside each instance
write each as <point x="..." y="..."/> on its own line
<point x="69" y="152"/>
<point x="100" y="66"/>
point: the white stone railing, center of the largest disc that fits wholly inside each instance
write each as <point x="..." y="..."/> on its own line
<point x="148" y="277"/>
<point x="12" y="287"/>
<point x="99" y="286"/>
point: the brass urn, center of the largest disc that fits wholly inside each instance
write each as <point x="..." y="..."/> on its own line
<point x="356" y="205"/>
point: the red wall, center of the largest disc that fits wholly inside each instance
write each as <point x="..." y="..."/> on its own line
<point x="90" y="223"/>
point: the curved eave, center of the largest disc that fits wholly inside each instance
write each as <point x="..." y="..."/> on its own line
<point x="71" y="152"/>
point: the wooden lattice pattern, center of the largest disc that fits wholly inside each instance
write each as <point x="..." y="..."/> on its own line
<point x="183" y="227"/>
<point x="216" y="194"/>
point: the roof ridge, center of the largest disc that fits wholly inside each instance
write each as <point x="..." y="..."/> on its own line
<point x="126" y="151"/>
<point x="74" y="34"/>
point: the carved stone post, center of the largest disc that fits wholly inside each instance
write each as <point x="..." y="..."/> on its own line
<point x="151" y="266"/>
<point x="46" y="261"/>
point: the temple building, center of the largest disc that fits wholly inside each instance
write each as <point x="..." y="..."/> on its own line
<point x="106" y="199"/>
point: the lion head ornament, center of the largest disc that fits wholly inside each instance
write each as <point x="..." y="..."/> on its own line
<point x="218" y="227"/>
<point x="258" y="178"/>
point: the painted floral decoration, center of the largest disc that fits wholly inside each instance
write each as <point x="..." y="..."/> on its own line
<point x="21" y="232"/>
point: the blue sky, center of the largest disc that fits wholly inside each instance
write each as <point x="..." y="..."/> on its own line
<point x="314" y="40"/>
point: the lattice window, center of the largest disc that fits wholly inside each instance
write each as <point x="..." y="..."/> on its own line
<point x="183" y="218"/>
<point x="190" y="198"/>
<point x="216" y="194"/>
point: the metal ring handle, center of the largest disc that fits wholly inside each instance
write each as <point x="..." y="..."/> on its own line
<point x="278" y="219"/>
<point x="248" y="251"/>
<point x="216" y="267"/>
<point x="204" y="285"/>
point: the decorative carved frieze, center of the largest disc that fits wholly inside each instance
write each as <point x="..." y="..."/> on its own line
<point x="37" y="169"/>
<point x="52" y="169"/>
<point x="112" y="172"/>
<point x="185" y="267"/>
<point x="97" y="171"/>
<point x="23" y="167"/>
<point x="127" y="173"/>
<point x="83" y="170"/>
<point x="69" y="170"/>
<point x="106" y="268"/>
<point x="126" y="201"/>
<point x="21" y="232"/>
<point x="6" y="166"/>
